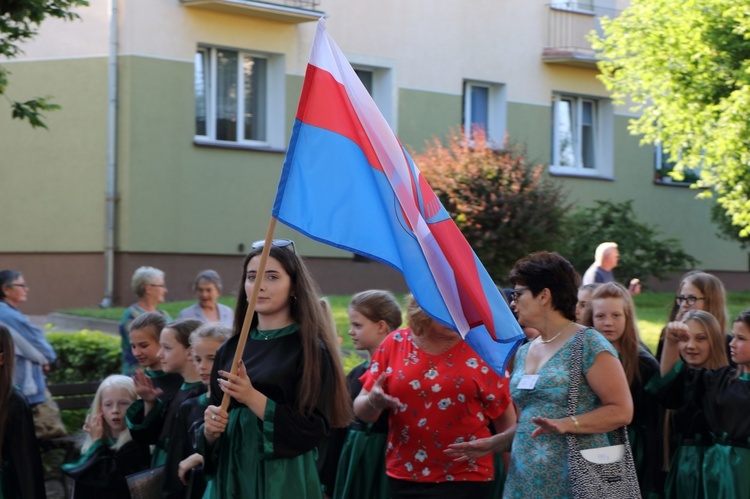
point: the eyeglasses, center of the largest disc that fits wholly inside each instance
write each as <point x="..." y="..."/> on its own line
<point x="517" y="292"/>
<point x="158" y="285"/>
<point x="690" y="299"/>
<point x="279" y="243"/>
<point x="20" y="285"/>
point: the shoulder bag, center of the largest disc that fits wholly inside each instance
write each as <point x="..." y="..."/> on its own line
<point x="601" y="472"/>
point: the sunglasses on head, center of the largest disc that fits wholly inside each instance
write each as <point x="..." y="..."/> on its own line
<point x="279" y="243"/>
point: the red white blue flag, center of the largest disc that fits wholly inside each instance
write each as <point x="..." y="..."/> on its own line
<point x="349" y="183"/>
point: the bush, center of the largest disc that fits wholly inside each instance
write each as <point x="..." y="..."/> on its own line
<point x="504" y="206"/>
<point x="642" y="255"/>
<point x="84" y="356"/>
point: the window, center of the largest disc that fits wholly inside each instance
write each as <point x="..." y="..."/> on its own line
<point x="663" y="166"/>
<point x="581" y="136"/>
<point x="485" y="107"/>
<point x="576" y="5"/>
<point x="377" y="78"/>
<point x="235" y="94"/>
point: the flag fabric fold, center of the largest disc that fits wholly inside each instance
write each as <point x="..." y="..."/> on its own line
<point x="349" y="183"/>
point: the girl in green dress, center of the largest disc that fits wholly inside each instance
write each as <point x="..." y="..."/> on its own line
<point x="288" y="391"/>
<point x="361" y="467"/>
<point x="724" y="396"/>
<point x="686" y="429"/>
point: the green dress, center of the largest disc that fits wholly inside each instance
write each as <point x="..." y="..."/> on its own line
<point x="274" y="457"/>
<point x="725" y="399"/>
<point x="361" y="465"/>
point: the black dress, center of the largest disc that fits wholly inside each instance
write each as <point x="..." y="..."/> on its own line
<point x="100" y="472"/>
<point x="22" y="475"/>
<point x="182" y="445"/>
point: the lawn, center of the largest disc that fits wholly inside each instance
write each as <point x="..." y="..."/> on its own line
<point x="652" y="310"/>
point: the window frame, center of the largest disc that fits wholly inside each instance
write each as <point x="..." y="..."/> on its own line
<point x="273" y="105"/>
<point x="662" y="177"/>
<point x="497" y="111"/>
<point x="602" y="127"/>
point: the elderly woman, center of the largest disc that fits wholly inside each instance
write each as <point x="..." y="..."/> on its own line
<point x="207" y="287"/>
<point x="149" y="286"/>
<point x="544" y="297"/>
<point x="33" y="353"/>
<point x="439" y="392"/>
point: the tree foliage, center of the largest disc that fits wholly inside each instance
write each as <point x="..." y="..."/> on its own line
<point x="505" y="206"/>
<point x="685" y="67"/>
<point x="642" y="253"/>
<point x="19" y="22"/>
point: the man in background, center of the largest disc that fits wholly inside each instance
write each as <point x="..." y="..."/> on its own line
<point x="606" y="258"/>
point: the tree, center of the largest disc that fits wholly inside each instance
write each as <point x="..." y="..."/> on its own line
<point x="641" y="254"/>
<point x="19" y="22"/>
<point x="685" y="67"/>
<point x="503" y="205"/>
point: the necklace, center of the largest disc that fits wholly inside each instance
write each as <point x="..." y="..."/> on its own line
<point x="558" y="334"/>
<point x="264" y="335"/>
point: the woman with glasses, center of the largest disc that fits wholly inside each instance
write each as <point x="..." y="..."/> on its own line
<point x="288" y="391"/>
<point x="699" y="291"/>
<point x="207" y="287"/>
<point x="33" y="353"/>
<point x="149" y="286"/>
<point x="545" y="293"/>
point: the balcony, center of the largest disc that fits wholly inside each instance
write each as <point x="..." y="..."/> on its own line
<point x="287" y="11"/>
<point x="569" y="24"/>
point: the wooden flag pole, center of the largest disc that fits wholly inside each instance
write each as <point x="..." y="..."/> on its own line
<point x="251" y="306"/>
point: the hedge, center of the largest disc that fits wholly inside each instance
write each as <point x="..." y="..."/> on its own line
<point x="83" y="356"/>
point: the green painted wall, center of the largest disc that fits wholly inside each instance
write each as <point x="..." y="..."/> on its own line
<point x="53" y="181"/>
<point x="424" y="115"/>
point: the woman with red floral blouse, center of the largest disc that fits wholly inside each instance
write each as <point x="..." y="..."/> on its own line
<point x="439" y="392"/>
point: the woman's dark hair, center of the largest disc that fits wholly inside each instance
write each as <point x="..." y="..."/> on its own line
<point x="6" y="380"/>
<point x="544" y="269"/>
<point x="6" y="279"/>
<point x="306" y="310"/>
<point x="183" y="329"/>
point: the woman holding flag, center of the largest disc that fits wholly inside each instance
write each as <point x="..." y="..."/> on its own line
<point x="288" y="390"/>
<point x="439" y="392"/>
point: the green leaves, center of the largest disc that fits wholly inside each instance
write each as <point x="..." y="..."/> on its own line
<point x="685" y="67"/>
<point x="84" y="356"/>
<point x="19" y="22"/>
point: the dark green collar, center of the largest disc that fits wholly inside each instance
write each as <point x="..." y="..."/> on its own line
<point x="188" y="386"/>
<point x="274" y="334"/>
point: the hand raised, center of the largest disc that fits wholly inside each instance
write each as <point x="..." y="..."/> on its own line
<point x="144" y="387"/>
<point x="677" y="331"/>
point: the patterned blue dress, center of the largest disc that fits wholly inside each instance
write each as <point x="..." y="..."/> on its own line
<point x="539" y="466"/>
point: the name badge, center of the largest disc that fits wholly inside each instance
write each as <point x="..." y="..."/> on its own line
<point x="528" y="381"/>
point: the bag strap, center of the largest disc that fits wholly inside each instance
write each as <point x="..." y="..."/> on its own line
<point x="576" y="372"/>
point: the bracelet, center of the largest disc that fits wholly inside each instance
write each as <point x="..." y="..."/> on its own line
<point x="575" y="422"/>
<point x="369" y="401"/>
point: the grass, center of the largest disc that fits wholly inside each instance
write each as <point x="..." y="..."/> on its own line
<point x="652" y="310"/>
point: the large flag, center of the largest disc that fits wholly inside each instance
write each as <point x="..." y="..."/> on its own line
<point x="349" y="183"/>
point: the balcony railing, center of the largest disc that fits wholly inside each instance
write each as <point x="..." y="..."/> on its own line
<point x="290" y="11"/>
<point x="569" y="24"/>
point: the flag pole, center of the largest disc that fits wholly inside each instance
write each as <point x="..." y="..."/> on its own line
<point x="251" y="306"/>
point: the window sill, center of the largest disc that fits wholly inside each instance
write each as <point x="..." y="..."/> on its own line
<point x="557" y="171"/>
<point x="236" y="146"/>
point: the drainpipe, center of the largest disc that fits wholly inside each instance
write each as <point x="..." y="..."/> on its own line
<point x="111" y="193"/>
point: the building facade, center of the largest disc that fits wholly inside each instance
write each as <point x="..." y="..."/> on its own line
<point x="175" y="119"/>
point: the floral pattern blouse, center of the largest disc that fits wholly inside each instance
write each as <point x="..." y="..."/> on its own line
<point x="447" y="398"/>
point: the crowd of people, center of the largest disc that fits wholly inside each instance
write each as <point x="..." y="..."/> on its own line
<point x="423" y="417"/>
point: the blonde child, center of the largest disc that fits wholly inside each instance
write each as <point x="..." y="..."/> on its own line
<point x="204" y="342"/>
<point x="723" y="395"/>
<point x="150" y="419"/>
<point x="109" y="453"/>
<point x="612" y="313"/>
<point x="686" y="428"/>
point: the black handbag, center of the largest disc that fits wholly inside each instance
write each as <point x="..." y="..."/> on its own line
<point x="146" y="484"/>
<point x="607" y="472"/>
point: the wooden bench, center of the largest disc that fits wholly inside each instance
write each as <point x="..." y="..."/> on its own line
<point x="70" y="396"/>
